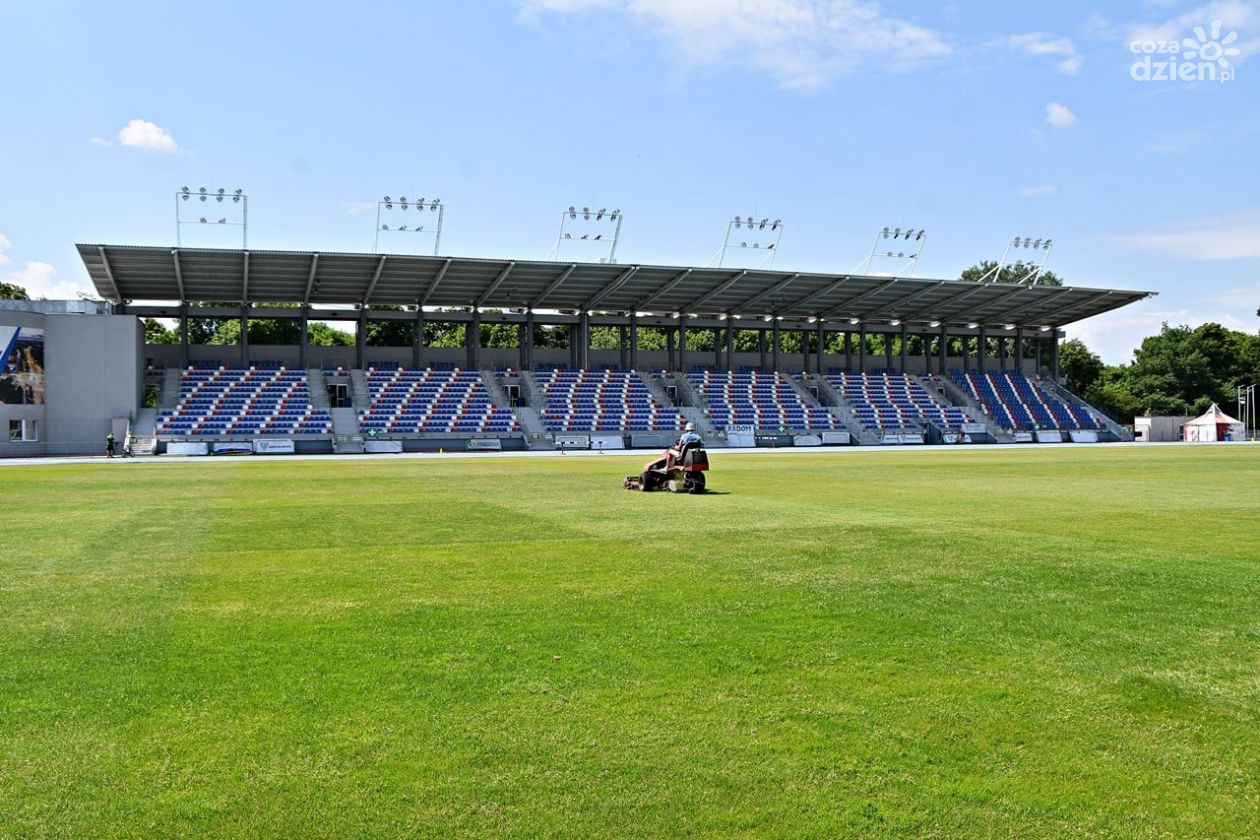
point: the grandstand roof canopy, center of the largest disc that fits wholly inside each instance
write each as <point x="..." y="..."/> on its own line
<point x="146" y="273"/>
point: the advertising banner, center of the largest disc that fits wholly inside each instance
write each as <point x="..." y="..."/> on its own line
<point x="573" y="442"/>
<point x="485" y="444"/>
<point x="273" y="447"/>
<point x="22" y="376"/>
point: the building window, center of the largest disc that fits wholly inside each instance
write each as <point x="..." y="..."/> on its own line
<point x="22" y="430"/>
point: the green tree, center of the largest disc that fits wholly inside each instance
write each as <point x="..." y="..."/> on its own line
<point x="155" y="332"/>
<point x="9" y="291"/>
<point x="1013" y="273"/>
<point x="1079" y="365"/>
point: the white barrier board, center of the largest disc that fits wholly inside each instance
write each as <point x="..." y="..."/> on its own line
<point x="485" y="445"/>
<point x="186" y="447"/>
<point x="1049" y="436"/>
<point x="1023" y="437"/>
<point x="606" y="442"/>
<point x="807" y="440"/>
<point x="836" y="438"/>
<point x="229" y="447"/>
<point x="383" y="447"/>
<point x="573" y="442"/>
<point x="1084" y="436"/>
<point x="973" y="428"/>
<point x="741" y="440"/>
<point x="273" y="447"/>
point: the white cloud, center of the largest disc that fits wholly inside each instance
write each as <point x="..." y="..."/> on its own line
<point x="802" y="44"/>
<point x="4" y="246"/>
<point x="1242" y="16"/>
<point x="1059" y="116"/>
<point x="1039" y="44"/>
<point x="40" y="281"/>
<point x="1034" y="192"/>
<point x="142" y="134"/>
<point x="1115" y="335"/>
<point x="1232" y="238"/>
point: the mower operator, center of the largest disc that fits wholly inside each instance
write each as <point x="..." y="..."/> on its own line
<point x="689" y="436"/>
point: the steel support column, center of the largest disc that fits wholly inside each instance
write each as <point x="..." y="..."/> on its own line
<point x="862" y="347"/>
<point x="1054" y="357"/>
<point x="304" y="339"/>
<point x="820" y="345"/>
<point x="360" y="339"/>
<point x="730" y="344"/>
<point x="761" y="347"/>
<point x="774" y="346"/>
<point x="888" y="337"/>
<point x="183" y="336"/>
<point x="904" y="340"/>
<point x="245" y="335"/>
<point x="634" y="341"/>
<point x="1001" y="342"/>
<point x="474" y="341"/>
<point x="717" y="348"/>
<point x="417" y="339"/>
<point x="1019" y="352"/>
<point x="530" y="329"/>
<point x="621" y="345"/>
<point x="982" y="350"/>
<point x="669" y="349"/>
<point x="682" y="343"/>
<point x="848" y="351"/>
<point x="584" y="340"/>
<point x="942" y="349"/>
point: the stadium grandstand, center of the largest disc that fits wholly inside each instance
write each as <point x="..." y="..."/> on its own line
<point x="956" y="360"/>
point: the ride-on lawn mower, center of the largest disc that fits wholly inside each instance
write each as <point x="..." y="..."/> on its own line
<point x="684" y="474"/>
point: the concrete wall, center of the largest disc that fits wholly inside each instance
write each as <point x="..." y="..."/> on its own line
<point x="93" y="373"/>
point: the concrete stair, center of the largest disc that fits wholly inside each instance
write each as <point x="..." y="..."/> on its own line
<point x="318" y="387"/>
<point x="951" y="393"/>
<point x="842" y="410"/>
<point x="171" y="380"/>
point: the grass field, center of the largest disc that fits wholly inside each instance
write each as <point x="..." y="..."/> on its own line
<point x="999" y="643"/>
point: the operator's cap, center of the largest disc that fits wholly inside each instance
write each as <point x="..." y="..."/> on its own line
<point x="690" y="427"/>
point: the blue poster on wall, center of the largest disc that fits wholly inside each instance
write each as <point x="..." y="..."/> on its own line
<point x="22" y="379"/>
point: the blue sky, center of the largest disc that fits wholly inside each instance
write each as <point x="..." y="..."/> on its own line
<point x="975" y="121"/>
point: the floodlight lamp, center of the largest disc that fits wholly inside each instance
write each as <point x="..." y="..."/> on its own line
<point x="749" y="221"/>
<point x="384" y="227"/>
<point x="855" y="321"/>
<point x="756" y="244"/>
<point x="1046" y="329"/>
<point x="389" y="205"/>
<point x="599" y="236"/>
<point x="738" y="222"/>
<point x="901" y="254"/>
<point x="1027" y="242"/>
<point x="586" y="236"/>
<point x="778" y="223"/>
<point x="896" y="322"/>
<point x="1015" y="242"/>
<point x="603" y="211"/>
<point x="763" y="224"/>
<point x="223" y="221"/>
<point x="238" y="192"/>
<point x="437" y="202"/>
<point x="934" y="324"/>
<point x="1036" y="244"/>
<point x="586" y="214"/>
<point x="743" y="244"/>
<point x="388" y="199"/>
<point x="420" y="229"/>
<point x="402" y="227"/>
<point x="1048" y="244"/>
<point x="971" y="325"/>
<point x="184" y="190"/>
<point x="184" y="196"/>
<point x="568" y="236"/>
<point x="770" y="247"/>
<point x="219" y="198"/>
<point x="1008" y="327"/>
<point x="222" y="191"/>
<point x="203" y="220"/>
<point x="778" y="317"/>
<point x="896" y="233"/>
<point x="920" y="236"/>
<point x="885" y="232"/>
<point x="402" y="202"/>
<point x="813" y="320"/>
<point x="615" y="214"/>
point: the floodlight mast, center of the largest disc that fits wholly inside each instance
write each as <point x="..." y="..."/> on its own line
<point x="219" y="196"/>
<point x="912" y="244"/>
<point x="1247" y="409"/>
<point x="1026" y="243"/>
<point x="588" y="218"/>
<point x="770" y="249"/>
<point x="403" y="204"/>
